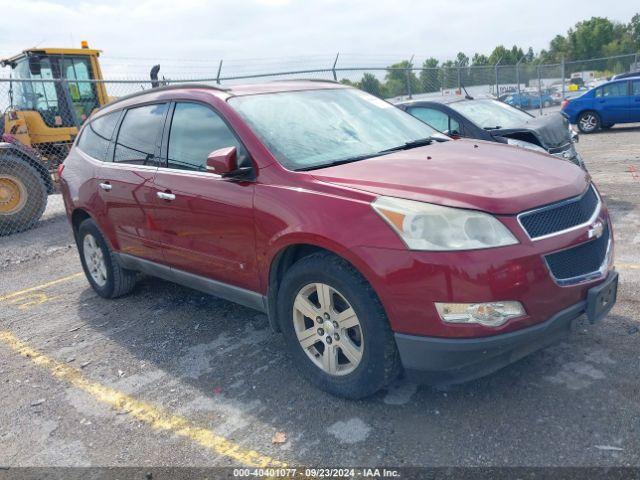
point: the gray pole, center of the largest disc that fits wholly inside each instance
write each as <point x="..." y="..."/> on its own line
<point x="518" y="74"/>
<point x="409" y="76"/>
<point x="539" y="89"/>
<point x="563" y="76"/>
<point x="497" y="80"/>
<point x="333" y="69"/>
<point x="219" y="71"/>
<point x="459" y="80"/>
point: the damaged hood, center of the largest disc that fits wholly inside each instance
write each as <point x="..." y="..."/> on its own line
<point x="551" y="131"/>
<point x="485" y="176"/>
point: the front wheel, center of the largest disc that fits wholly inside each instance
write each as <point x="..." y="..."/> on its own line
<point x="23" y="195"/>
<point x="100" y="265"/>
<point x="588" y="122"/>
<point x="335" y="327"/>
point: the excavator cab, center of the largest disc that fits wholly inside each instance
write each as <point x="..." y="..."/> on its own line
<point x="52" y="91"/>
<point x="54" y="94"/>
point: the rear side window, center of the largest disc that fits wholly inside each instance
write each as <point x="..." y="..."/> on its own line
<point x="139" y="134"/>
<point x="437" y="119"/>
<point x="636" y="87"/>
<point x="96" y="136"/>
<point x="612" y="90"/>
<point x="196" y="131"/>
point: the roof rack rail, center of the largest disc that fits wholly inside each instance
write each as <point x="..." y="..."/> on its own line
<point x="173" y="86"/>
<point x="320" y="80"/>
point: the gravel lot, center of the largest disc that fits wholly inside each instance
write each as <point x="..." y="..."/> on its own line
<point x="167" y="375"/>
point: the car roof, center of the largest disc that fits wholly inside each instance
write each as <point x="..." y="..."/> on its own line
<point x="445" y="100"/>
<point x="626" y="76"/>
<point x="441" y="99"/>
<point x="165" y="92"/>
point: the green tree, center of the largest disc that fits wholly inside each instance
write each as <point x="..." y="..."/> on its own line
<point x="479" y="59"/>
<point x="634" y="31"/>
<point x="529" y="56"/>
<point x="429" y="80"/>
<point x="371" y="84"/>
<point x="461" y="60"/>
<point x="589" y="38"/>
<point x="398" y="78"/>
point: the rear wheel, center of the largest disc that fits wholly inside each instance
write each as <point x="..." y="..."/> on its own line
<point x="336" y="328"/>
<point x="100" y="265"/>
<point x="23" y="195"/>
<point x="588" y="122"/>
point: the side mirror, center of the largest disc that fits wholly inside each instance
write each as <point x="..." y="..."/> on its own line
<point x="455" y="134"/>
<point x="224" y="162"/>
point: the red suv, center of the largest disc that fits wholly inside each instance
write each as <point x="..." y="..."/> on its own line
<point x="373" y="243"/>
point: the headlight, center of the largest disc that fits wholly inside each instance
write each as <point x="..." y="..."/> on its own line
<point x="527" y="145"/>
<point x="424" y="226"/>
<point x="492" y="314"/>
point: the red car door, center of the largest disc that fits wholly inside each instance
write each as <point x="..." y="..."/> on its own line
<point x="126" y="183"/>
<point x="206" y="222"/>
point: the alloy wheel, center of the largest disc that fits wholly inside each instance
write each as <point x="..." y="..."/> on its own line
<point x="328" y="329"/>
<point x="94" y="259"/>
<point x="588" y="122"/>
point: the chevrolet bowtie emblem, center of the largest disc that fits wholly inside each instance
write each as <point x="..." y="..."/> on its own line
<point x="596" y="230"/>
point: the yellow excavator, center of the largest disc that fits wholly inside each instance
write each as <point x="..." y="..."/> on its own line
<point x="48" y="102"/>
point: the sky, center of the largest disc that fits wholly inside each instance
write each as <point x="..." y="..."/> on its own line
<point x="263" y="35"/>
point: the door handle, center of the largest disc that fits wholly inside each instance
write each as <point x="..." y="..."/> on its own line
<point x="166" y="196"/>
<point x="106" y="186"/>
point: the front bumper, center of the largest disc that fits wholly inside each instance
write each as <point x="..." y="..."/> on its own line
<point x="444" y="361"/>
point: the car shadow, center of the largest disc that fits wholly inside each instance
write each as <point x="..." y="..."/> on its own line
<point x="618" y="129"/>
<point x="229" y="354"/>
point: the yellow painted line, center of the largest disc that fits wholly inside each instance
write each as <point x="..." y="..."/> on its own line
<point x="142" y="411"/>
<point x="628" y="266"/>
<point x="40" y="287"/>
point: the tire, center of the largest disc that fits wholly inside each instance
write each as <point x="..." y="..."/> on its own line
<point x="379" y="361"/>
<point x="109" y="279"/>
<point x="23" y="195"/>
<point x="588" y="122"/>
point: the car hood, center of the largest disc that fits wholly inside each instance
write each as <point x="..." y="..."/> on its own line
<point x="486" y="176"/>
<point x="552" y="131"/>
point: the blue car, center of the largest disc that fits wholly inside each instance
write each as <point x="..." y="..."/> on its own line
<point x="617" y="101"/>
<point x="526" y="100"/>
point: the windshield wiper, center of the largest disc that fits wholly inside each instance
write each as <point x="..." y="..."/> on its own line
<point x="338" y="162"/>
<point x="405" y="146"/>
<point x="497" y="127"/>
<point x="421" y="142"/>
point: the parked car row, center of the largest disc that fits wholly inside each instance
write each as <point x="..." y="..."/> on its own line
<point x="530" y="100"/>
<point x="374" y="243"/>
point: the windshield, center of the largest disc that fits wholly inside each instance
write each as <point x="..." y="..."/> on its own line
<point x="491" y="114"/>
<point x="316" y="128"/>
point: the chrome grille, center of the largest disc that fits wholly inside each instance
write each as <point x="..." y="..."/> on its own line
<point x="558" y="217"/>
<point x="577" y="263"/>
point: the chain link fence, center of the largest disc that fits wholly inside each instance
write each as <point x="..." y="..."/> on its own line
<point x="41" y="116"/>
